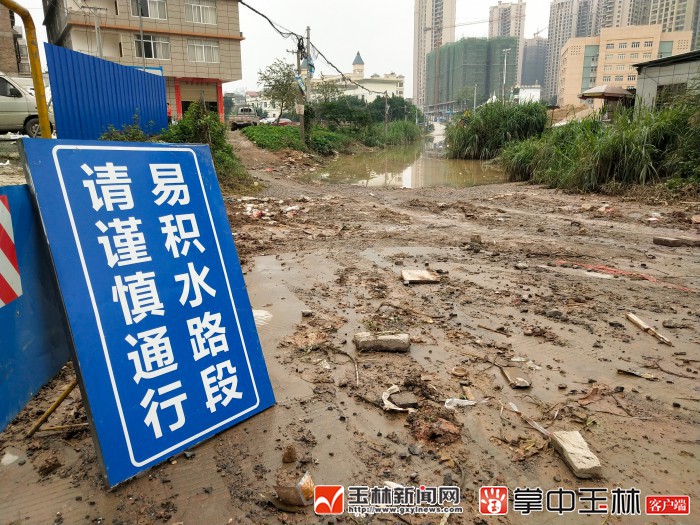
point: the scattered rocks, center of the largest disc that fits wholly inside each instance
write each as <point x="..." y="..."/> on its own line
<point x="522" y="265"/>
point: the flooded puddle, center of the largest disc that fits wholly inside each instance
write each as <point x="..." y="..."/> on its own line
<point x="415" y="166"/>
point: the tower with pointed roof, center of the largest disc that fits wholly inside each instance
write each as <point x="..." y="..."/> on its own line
<point x="358" y="66"/>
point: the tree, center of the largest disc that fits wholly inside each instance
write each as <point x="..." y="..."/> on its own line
<point x="327" y="91"/>
<point x="399" y="109"/>
<point x="279" y="84"/>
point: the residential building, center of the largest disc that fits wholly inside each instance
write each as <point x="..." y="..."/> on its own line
<point x="468" y="66"/>
<point x="525" y="94"/>
<point x="364" y="88"/>
<point x="563" y="24"/>
<point x="664" y="77"/>
<point x="610" y="58"/>
<point x="677" y="15"/>
<point x="8" y="39"/>
<point x="534" y="53"/>
<point x="621" y="13"/>
<point x="433" y="26"/>
<point x="194" y="44"/>
<point x="23" y="54"/>
<point x="508" y="19"/>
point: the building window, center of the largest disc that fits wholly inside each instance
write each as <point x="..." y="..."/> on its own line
<point x="621" y="56"/>
<point x="203" y="51"/>
<point x="634" y="55"/>
<point x="620" y="67"/>
<point x="606" y="78"/>
<point x="647" y="55"/>
<point x="200" y="11"/>
<point x="619" y="78"/>
<point x="609" y="56"/>
<point x="149" y="9"/>
<point x="635" y="45"/>
<point x="156" y="47"/>
<point x="622" y="45"/>
<point x="648" y="43"/>
<point x="631" y="78"/>
<point x="609" y="46"/>
<point x="607" y="68"/>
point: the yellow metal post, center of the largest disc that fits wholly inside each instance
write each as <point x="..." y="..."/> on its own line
<point x="35" y="64"/>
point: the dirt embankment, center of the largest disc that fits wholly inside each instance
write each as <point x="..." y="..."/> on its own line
<point x="531" y="283"/>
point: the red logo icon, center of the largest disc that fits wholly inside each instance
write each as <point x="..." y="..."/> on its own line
<point x="493" y="500"/>
<point x="663" y="505"/>
<point x="329" y="499"/>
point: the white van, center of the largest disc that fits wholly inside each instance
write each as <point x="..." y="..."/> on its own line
<point x="18" y="111"/>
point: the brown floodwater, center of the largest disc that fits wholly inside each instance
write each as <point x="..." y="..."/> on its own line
<point x="415" y="166"/>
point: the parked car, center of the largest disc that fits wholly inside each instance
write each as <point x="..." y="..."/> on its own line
<point x="243" y="117"/>
<point x="18" y="108"/>
<point x="267" y="120"/>
<point x="285" y="122"/>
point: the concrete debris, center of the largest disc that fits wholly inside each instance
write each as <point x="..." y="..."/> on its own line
<point x="676" y="241"/>
<point x="575" y="452"/>
<point x="672" y="323"/>
<point x="382" y="342"/>
<point x="522" y="265"/>
<point x="290" y="454"/>
<point x="419" y="277"/>
<point x="307" y="313"/>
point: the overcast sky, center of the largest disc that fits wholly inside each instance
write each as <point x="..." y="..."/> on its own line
<point x="381" y="30"/>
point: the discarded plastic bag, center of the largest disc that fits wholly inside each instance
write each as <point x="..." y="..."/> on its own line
<point x="455" y="402"/>
<point x="388" y="405"/>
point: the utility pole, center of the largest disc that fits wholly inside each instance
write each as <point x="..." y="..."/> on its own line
<point x="94" y="11"/>
<point x="505" y="62"/>
<point x="308" y="80"/>
<point x="300" y="94"/>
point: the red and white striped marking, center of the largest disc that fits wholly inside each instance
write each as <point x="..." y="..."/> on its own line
<point x="10" y="284"/>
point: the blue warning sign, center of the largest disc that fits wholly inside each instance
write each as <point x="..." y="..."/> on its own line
<point x="165" y="343"/>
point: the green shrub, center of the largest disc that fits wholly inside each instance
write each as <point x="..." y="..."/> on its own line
<point x="128" y="133"/>
<point x="199" y="126"/>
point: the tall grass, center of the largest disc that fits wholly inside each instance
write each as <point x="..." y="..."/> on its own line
<point x="637" y="148"/>
<point x="483" y="133"/>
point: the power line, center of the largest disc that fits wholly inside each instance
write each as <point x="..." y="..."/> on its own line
<point x="300" y="45"/>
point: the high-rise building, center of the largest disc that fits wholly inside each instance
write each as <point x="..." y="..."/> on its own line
<point x="563" y="25"/>
<point x="676" y="15"/>
<point x="469" y="67"/>
<point x="534" y="53"/>
<point x="610" y="57"/>
<point x="507" y="19"/>
<point x="433" y="26"/>
<point x="621" y="13"/>
<point x="194" y="44"/>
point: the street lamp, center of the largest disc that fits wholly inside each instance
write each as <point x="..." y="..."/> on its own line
<point x="505" y="62"/>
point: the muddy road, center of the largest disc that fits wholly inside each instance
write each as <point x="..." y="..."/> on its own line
<point x="531" y="283"/>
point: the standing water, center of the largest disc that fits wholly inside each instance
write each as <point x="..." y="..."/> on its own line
<point x="420" y="165"/>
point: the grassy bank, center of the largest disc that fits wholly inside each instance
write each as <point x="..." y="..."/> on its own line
<point x="326" y="142"/>
<point x="636" y="148"/>
<point x="483" y="133"/>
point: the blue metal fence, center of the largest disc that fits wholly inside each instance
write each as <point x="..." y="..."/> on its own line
<point x="90" y="94"/>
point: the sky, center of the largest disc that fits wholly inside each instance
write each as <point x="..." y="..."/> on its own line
<point x="381" y="30"/>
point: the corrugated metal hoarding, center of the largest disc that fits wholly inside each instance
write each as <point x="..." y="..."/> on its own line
<point x="89" y="94"/>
